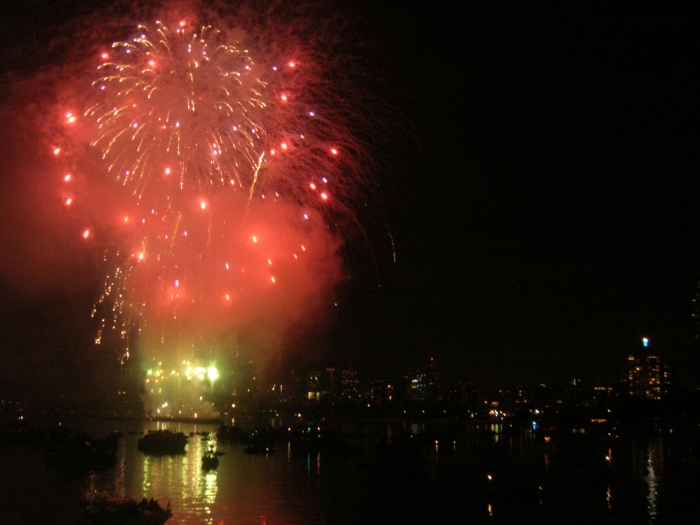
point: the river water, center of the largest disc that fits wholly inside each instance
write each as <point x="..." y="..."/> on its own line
<point x="473" y="477"/>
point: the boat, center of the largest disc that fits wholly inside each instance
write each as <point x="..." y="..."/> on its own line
<point x="210" y="460"/>
<point x="101" y="509"/>
<point x="163" y="442"/>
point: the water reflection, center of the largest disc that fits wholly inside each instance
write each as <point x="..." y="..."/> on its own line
<point x="654" y="467"/>
<point x="176" y="480"/>
<point x="475" y="472"/>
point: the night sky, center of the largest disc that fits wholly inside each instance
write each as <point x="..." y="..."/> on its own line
<point x="550" y="220"/>
<point x="544" y="204"/>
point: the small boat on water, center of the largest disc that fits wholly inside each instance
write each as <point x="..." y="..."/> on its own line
<point x="163" y="442"/>
<point x="210" y="460"/>
<point x="101" y="509"/>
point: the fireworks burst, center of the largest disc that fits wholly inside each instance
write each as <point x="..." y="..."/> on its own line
<point x="213" y="165"/>
<point x="187" y="123"/>
<point x="191" y="108"/>
<point x="180" y="104"/>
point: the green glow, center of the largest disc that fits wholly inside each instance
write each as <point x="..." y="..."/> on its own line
<point x="212" y="373"/>
<point x="150" y="372"/>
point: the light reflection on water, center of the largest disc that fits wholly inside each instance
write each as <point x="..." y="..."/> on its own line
<point x="243" y="489"/>
<point x="291" y="488"/>
<point x="475" y="477"/>
<point x="654" y="465"/>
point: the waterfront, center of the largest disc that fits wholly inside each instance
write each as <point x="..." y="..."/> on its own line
<point x="474" y="476"/>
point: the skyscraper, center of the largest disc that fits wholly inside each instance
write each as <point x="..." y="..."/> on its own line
<point x="649" y="376"/>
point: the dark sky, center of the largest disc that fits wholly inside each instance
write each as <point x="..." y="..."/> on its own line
<point x="544" y="210"/>
<point x="552" y="219"/>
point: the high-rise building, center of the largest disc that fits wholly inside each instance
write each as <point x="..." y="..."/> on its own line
<point x="649" y="376"/>
<point x="350" y="384"/>
<point x="314" y="385"/>
<point x="425" y="383"/>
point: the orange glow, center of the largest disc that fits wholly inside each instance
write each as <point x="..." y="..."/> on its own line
<point x="284" y="97"/>
<point x="302" y="248"/>
<point x="167" y="171"/>
<point x="269" y="261"/>
<point x="105" y="56"/>
<point x="255" y="239"/>
<point x="68" y="201"/>
<point x="86" y="234"/>
<point x="141" y="256"/>
<point x="324" y="196"/>
<point x="312" y="186"/>
<point x="152" y="63"/>
<point x="291" y="64"/>
<point x="284" y="145"/>
<point x="126" y="219"/>
<point x="203" y="205"/>
<point x="334" y="151"/>
<point x="227" y="297"/>
<point x="56" y="151"/>
<point x="272" y="279"/>
<point x="66" y="178"/>
<point x="71" y="118"/>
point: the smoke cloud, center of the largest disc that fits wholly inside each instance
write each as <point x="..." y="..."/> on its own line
<point x="206" y="214"/>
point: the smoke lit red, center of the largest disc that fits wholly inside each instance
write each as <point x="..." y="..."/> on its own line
<point x="207" y="175"/>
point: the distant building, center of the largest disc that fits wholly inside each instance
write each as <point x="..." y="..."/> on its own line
<point x="603" y="396"/>
<point x="425" y="383"/>
<point x="316" y="387"/>
<point x="382" y="391"/>
<point x="649" y="377"/>
<point x="333" y="383"/>
<point x="350" y="384"/>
